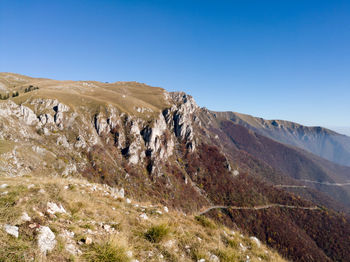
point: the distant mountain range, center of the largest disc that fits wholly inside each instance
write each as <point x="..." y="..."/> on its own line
<point x="317" y="140"/>
<point x="345" y="130"/>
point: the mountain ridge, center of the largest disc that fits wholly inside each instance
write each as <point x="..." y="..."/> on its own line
<point x="320" y="141"/>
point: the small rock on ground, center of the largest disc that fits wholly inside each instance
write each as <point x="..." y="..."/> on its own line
<point x="12" y="230"/>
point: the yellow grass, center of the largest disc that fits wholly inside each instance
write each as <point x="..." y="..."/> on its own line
<point x="173" y="236"/>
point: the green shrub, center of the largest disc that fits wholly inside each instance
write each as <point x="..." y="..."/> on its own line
<point x="106" y="252"/>
<point x="205" y="222"/>
<point x="156" y="233"/>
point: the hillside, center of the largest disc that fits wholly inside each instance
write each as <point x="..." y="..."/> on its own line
<point x="160" y="147"/>
<point x="317" y="140"/>
<point x="92" y="222"/>
<point x="297" y="164"/>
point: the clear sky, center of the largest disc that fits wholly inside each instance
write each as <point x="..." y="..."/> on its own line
<point x="284" y="59"/>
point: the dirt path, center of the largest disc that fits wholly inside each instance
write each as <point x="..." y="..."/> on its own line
<point x="256" y="207"/>
<point x="313" y="182"/>
<point x="288" y="186"/>
<point x="326" y="183"/>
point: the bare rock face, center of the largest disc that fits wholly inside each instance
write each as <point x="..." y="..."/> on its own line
<point x="180" y="117"/>
<point x="46" y="119"/>
<point x="24" y="113"/>
<point x="101" y="125"/>
<point x="135" y="146"/>
<point x="158" y="140"/>
<point x="59" y="116"/>
<point x="28" y="115"/>
<point x="143" y="140"/>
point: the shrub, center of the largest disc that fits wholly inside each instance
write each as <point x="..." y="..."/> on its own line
<point x="156" y="233"/>
<point x="106" y="252"/>
<point x="205" y="222"/>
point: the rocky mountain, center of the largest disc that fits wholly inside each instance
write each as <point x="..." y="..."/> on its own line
<point x="317" y="140"/>
<point x="160" y="147"/>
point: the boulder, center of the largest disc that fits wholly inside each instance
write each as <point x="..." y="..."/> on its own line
<point x="46" y="240"/>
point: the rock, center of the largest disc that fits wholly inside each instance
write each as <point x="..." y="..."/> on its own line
<point x="4" y="193"/>
<point x="53" y="208"/>
<point x="201" y="260"/>
<point x="71" y="248"/>
<point x="11" y="230"/>
<point x="25" y="217"/>
<point x="38" y="212"/>
<point x="128" y="201"/>
<point x="62" y="141"/>
<point x="28" y="115"/>
<point x="41" y="191"/>
<point x="3" y="186"/>
<point x="169" y="244"/>
<point x="46" y="119"/>
<point x="69" y="170"/>
<point x="32" y="226"/>
<point x="80" y="142"/>
<point x="154" y="143"/>
<point x="121" y="193"/>
<point x="159" y="212"/>
<point x="166" y="209"/>
<point x="30" y="186"/>
<point x="242" y="247"/>
<point x="257" y="241"/>
<point x="46" y="240"/>
<point x="213" y="258"/>
<point x="101" y="125"/>
<point x="144" y="216"/>
<point x="61" y="108"/>
<point x="235" y="172"/>
<point x="88" y="241"/>
<point x="182" y="117"/>
<point x="129" y="254"/>
<point x="106" y="227"/>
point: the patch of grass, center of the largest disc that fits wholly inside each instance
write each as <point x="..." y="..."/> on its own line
<point x="88" y="226"/>
<point x="155" y="234"/>
<point x="5" y="146"/>
<point x="12" y="249"/>
<point x="75" y="207"/>
<point x="197" y="253"/>
<point x="229" y="255"/>
<point x="8" y="210"/>
<point x="106" y="252"/>
<point x="205" y="222"/>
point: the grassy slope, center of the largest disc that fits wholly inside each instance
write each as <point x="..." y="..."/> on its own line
<point x="126" y="96"/>
<point x="192" y="237"/>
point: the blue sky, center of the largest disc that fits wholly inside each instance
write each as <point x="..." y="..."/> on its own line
<point x="285" y="59"/>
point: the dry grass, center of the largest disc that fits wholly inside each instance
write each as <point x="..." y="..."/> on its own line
<point x="125" y="96"/>
<point x="5" y="146"/>
<point x="172" y="236"/>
